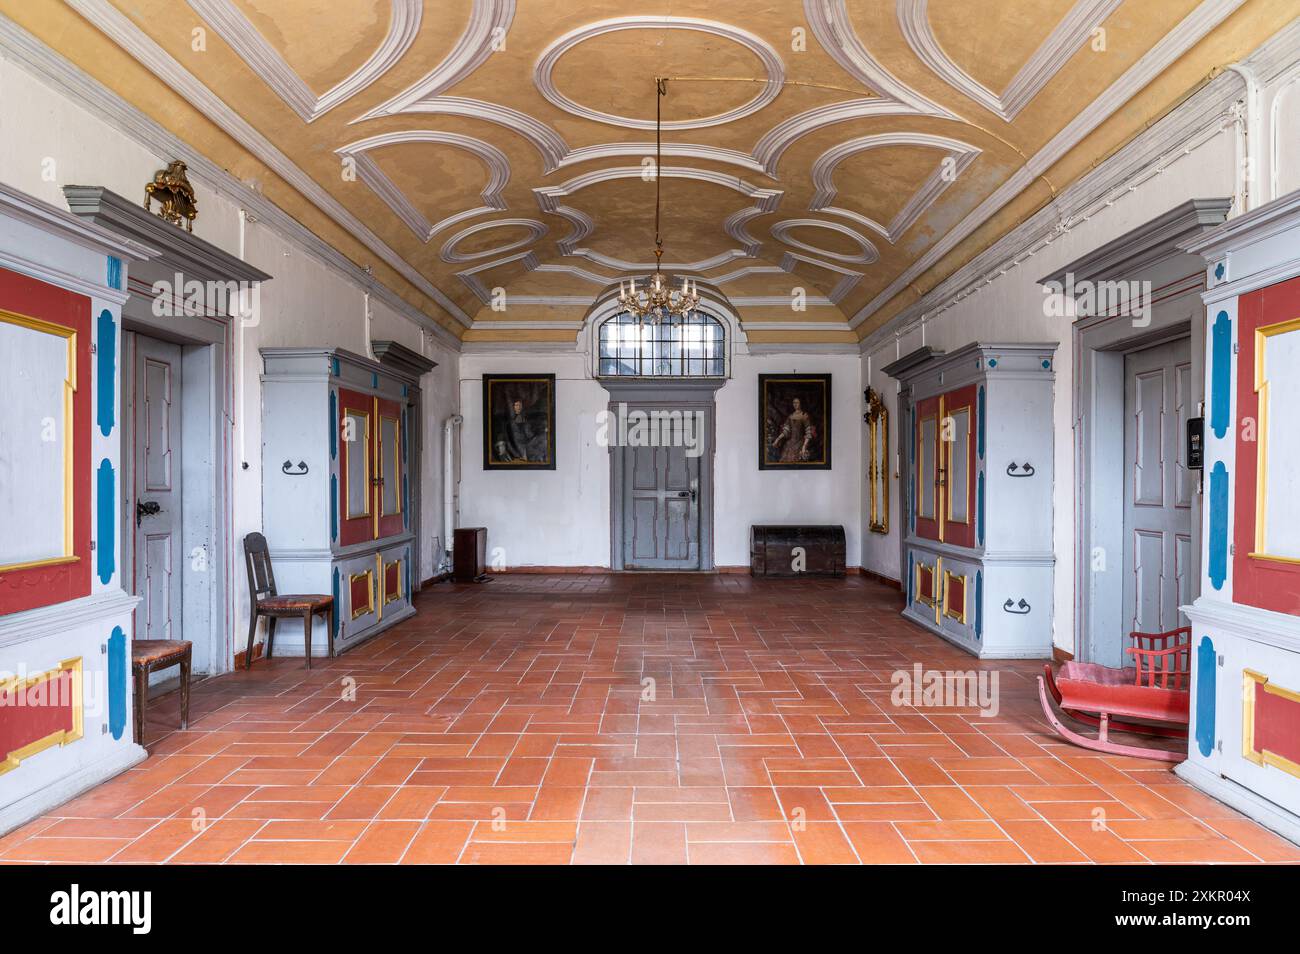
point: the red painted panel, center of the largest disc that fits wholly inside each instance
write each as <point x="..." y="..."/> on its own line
<point x="359" y="593"/>
<point x="929" y="528"/>
<point x="957" y="595"/>
<point x="962" y="534"/>
<point x="1268" y="584"/>
<point x="389" y="524"/>
<point x="46" y="585"/>
<point x="360" y="528"/>
<point x="392" y="582"/>
<point x="1277" y="724"/>
<point x="925" y="582"/>
<point x="33" y="713"/>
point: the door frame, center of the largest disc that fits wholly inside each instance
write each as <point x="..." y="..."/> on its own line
<point x="676" y="394"/>
<point x="1149" y="253"/>
<point x="211" y="341"/>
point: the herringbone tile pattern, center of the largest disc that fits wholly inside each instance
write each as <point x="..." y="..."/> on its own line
<point x="653" y="719"/>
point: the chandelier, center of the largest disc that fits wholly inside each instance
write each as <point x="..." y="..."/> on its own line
<point x="656" y="302"/>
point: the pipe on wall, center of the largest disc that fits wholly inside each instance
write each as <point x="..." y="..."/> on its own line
<point x="450" y="484"/>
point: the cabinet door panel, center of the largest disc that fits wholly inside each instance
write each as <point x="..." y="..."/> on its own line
<point x="957" y="481"/>
<point x="389" y="470"/>
<point x="929" y="512"/>
<point x="356" y="466"/>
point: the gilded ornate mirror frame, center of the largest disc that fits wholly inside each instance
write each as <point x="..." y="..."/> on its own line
<point x="877" y="419"/>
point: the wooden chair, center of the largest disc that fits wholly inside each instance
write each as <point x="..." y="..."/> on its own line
<point x="265" y="601"/>
<point x="148" y="655"/>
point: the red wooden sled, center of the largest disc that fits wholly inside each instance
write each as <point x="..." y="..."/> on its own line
<point x="1155" y="689"/>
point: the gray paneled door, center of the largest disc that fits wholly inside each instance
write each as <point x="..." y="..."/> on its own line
<point x="661" y="508"/>
<point x="1159" y="491"/>
<point x="155" y="512"/>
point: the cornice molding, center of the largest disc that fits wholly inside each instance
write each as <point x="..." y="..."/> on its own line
<point x="394" y="354"/>
<point x="1052" y="54"/>
<point x="368" y="171"/>
<point x="178" y="248"/>
<point x="488" y="21"/>
<point x="122" y="31"/>
<point x="544" y="80"/>
<point x="449" y="254"/>
<point x="823" y="173"/>
<point x="265" y="60"/>
<point x="68" y="225"/>
<point x="51" y="69"/>
<point x="867" y="256"/>
<point x="1187" y="33"/>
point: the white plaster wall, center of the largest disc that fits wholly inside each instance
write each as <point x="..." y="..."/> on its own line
<point x="1010" y="308"/>
<point x="561" y="517"/>
<point x="47" y="142"/>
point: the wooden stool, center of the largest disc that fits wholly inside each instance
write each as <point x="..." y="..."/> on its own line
<point x="264" y="601"/>
<point x="148" y="655"/>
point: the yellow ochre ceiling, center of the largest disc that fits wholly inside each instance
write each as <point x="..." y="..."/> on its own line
<point x="465" y="146"/>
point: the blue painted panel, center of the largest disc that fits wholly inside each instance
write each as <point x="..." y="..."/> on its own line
<point x="337" y="605"/>
<point x="979" y="422"/>
<point x="334" y="424"/>
<point x="117" y="683"/>
<point x="1205" y="685"/>
<point x="911" y="469"/>
<point x="911" y="575"/>
<point x="105" y="536"/>
<point x="1220" y="373"/>
<point x="105" y="371"/>
<point x="1218" y="525"/>
<point x="334" y="507"/>
<point x="374" y="379"/>
<point x="979" y="604"/>
<point x="334" y="366"/>
<point x="993" y="362"/>
<point x="979" y="509"/>
<point x="113" y="276"/>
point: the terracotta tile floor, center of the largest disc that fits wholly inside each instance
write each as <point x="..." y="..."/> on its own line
<point x="512" y="723"/>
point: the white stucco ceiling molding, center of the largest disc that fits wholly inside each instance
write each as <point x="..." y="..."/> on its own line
<point x="830" y="25"/>
<point x="1052" y="54"/>
<point x="823" y="173"/>
<point x="498" y="167"/>
<point x="866" y="254"/>
<point x="678" y="150"/>
<point x="119" y="28"/>
<point x="549" y="199"/>
<point x="470" y="276"/>
<point x="848" y="277"/>
<point x="265" y="60"/>
<point x="543" y="70"/>
<point x="449" y="254"/>
<point x="488" y="20"/>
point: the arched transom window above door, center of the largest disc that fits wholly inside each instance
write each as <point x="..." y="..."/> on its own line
<point x="693" y="347"/>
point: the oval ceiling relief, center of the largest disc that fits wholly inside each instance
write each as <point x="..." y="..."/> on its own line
<point x="657" y="60"/>
<point x="864" y="254"/>
<point x="532" y="231"/>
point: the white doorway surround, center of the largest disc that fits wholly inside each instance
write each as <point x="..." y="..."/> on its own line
<point x="201" y="345"/>
<point x="1170" y="282"/>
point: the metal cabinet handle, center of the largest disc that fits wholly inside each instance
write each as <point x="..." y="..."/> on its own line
<point x="1019" y="609"/>
<point x="1025" y="470"/>
<point x="146" y="508"/>
<point x="288" y="468"/>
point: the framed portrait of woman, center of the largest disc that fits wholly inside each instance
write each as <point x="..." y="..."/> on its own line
<point x="794" y="422"/>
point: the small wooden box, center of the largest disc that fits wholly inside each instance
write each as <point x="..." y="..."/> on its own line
<point x="469" y="554"/>
<point x="772" y="550"/>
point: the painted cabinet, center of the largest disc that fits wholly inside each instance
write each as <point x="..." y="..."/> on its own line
<point x="977" y="426"/>
<point x="65" y="619"/>
<point x="1245" y="733"/>
<point x="336" y="487"/>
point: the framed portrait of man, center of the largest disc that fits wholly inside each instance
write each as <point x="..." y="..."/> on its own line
<point x="794" y="422"/>
<point x="519" y="422"/>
